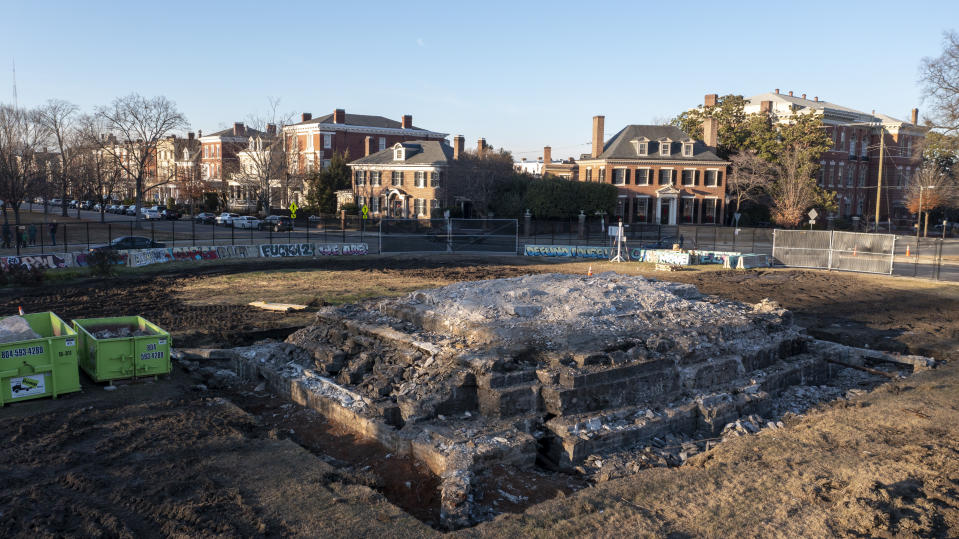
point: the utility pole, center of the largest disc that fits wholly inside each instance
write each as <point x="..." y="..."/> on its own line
<point x="882" y="147"/>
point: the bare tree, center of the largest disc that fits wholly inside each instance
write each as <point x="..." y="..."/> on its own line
<point x="940" y="83"/>
<point x="138" y="124"/>
<point x="59" y="119"/>
<point x="23" y="164"/>
<point x="263" y="163"/>
<point x="750" y="176"/>
<point x="929" y="189"/>
<point x="794" y="190"/>
<point x="100" y="172"/>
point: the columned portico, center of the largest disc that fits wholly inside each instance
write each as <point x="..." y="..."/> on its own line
<point x="396" y="204"/>
<point x="666" y="205"/>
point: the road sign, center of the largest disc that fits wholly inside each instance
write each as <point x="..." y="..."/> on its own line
<point x="736" y="217"/>
<point x="366" y="211"/>
<point x="293" y="208"/>
<point x="813" y="214"/>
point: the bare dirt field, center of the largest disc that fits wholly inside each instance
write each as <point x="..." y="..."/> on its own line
<point x="163" y="458"/>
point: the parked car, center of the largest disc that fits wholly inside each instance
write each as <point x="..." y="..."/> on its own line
<point x="245" y="221"/>
<point x="170" y="215"/>
<point x="54" y="201"/>
<point x="128" y="242"/>
<point x="276" y="223"/>
<point x="205" y="218"/>
<point x="150" y="214"/>
<point x="131" y="210"/>
<point x="73" y="204"/>
<point x="226" y="218"/>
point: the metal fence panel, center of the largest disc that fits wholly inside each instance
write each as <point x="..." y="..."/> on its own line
<point x="823" y="249"/>
<point x="802" y="248"/>
<point x="857" y="251"/>
<point x="493" y="236"/>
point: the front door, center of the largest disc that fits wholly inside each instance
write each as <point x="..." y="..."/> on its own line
<point x="664" y="205"/>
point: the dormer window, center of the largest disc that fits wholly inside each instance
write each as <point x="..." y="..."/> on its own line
<point x="687" y="149"/>
<point x="643" y="148"/>
<point x="399" y="152"/>
<point x="664" y="148"/>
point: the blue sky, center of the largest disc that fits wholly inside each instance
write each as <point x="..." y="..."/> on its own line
<point x="521" y="74"/>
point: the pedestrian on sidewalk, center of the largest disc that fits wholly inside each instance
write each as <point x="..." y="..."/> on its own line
<point x="53" y="232"/>
<point x="6" y="235"/>
<point x="32" y="232"/>
<point x="22" y="236"/>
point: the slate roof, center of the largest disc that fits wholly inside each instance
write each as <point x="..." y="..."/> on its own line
<point x="229" y="133"/>
<point x="363" y="120"/>
<point x="621" y="146"/>
<point x="418" y="152"/>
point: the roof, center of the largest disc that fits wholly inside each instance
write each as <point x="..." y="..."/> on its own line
<point x="621" y="145"/>
<point x="249" y="131"/>
<point x="418" y="152"/>
<point x="364" y="120"/>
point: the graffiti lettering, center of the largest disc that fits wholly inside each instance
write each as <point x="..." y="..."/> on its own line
<point x="287" y="249"/>
<point x="32" y="261"/>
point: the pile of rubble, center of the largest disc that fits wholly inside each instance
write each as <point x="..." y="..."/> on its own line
<point x="601" y="375"/>
<point x="16" y="328"/>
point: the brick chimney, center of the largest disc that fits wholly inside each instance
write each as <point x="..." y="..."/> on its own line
<point x="711" y="100"/>
<point x="339" y="116"/>
<point x="190" y="135"/>
<point x="547" y="155"/>
<point x="458" y="142"/>
<point x="407" y="121"/>
<point x="306" y="116"/>
<point x="804" y="96"/>
<point x="199" y="133"/>
<point x="765" y="107"/>
<point x="711" y="132"/>
<point x="480" y="146"/>
<point x="816" y="99"/>
<point x="271" y="129"/>
<point x="367" y="145"/>
<point x="790" y="93"/>
<point x="598" y="124"/>
<point x="777" y="91"/>
<point x="238" y="129"/>
<point x="915" y="116"/>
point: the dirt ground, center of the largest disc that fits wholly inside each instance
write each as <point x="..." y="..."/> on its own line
<point x="161" y="458"/>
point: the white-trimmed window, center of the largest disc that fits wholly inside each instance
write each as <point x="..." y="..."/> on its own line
<point x="712" y="178"/>
<point x="382" y="143"/>
<point x="842" y="139"/>
<point x="434" y="179"/>
<point x="689" y="176"/>
<point x="374" y="204"/>
<point x="619" y="176"/>
<point x="864" y="146"/>
<point x="327" y="141"/>
<point x="709" y="211"/>
<point x="839" y="175"/>
<point x="687" y="149"/>
<point x="360" y="176"/>
<point x="326" y="163"/>
<point x="664" y="148"/>
<point x="850" y="179"/>
<point x="310" y="163"/>
<point x="399" y="154"/>
<point x="602" y="174"/>
<point x="862" y="176"/>
<point x="665" y="176"/>
<point x="643" y="148"/>
<point x="375" y="178"/>
<point x="420" y="178"/>
<point x="419" y="207"/>
<point x="641" y="204"/>
<point x="642" y="176"/>
<point x="397" y="178"/>
<point x="589" y="174"/>
<point x="620" y="205"/>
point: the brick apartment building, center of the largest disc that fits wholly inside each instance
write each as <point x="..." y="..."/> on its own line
<point x="311" y="143"/>
<point x="407" y="180"/>
<point x="851" y="166"/>
<point x="663" y="175"/>
<point x="219" y="160"/>
<point x="566" y="169"/>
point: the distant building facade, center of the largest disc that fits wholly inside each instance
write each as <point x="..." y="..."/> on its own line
<point x="851" y="166"/>
<point x="663" y="176"/>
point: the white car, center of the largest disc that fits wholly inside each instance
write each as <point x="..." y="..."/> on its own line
<point x="150" y="214"/>
<point x="245" y="221"/>
<point x="226" y="218"/>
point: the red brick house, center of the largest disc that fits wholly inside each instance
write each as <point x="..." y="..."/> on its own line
<point x="312" y="142"/>
<point x="663" y="175"/>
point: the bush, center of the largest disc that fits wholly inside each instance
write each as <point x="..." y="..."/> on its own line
<point x="350" y="208"/>
<point x="103" y="262"/>
<point x="22" y="274"/>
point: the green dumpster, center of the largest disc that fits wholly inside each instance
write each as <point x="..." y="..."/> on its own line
<point x="44" y="367"/>
<point x="122" y="347"/>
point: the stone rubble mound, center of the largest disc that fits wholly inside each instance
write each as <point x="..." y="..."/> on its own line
<point x="16" y="328"/>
